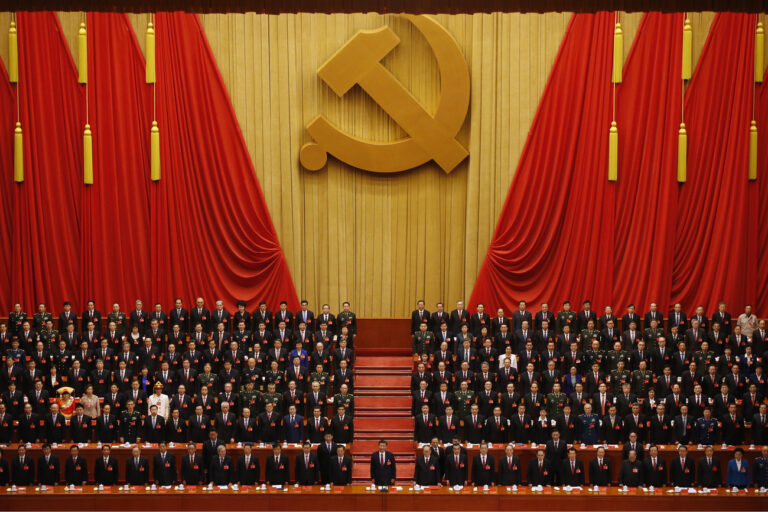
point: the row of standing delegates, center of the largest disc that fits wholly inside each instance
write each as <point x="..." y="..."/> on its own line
<point x="185" y="319"/>
<point x="329" y="463"/>
<point x="561" y="466"/>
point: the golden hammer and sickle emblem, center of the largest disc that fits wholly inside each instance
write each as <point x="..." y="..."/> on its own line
<point x="432" y="137"/>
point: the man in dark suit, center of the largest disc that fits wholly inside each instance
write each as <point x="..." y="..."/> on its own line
<point x="572" y="470"/>
<point x="179" y="316"/>
<point x="342" y="426"/>
<point x="683" y="425"/>
<point x="682" y="471"/>
<point x="164" y="466"/>
<point x="106" y="468"/>
<point x="600" y="469"/>
<point x="459" y="317"/>
<point x="136" y="468"/>
<point x="307" y="466"/>
<point x="427" y="469"/>
<point x="325" y="451"/>
<point x="278" y="467"/>
<point x="22" y="468"/>
<point x="222" y="469"/>
<point x="192" y="466"/>
<point x="677" y="318"/>
<point x="585" y="315"/>
<point x="733" y="427"/>
<point x="200" y="315"/>
<point x="539" y="470"/>
<point x="456" y="466"/>
<point x="479" y="320"/>
<point x="760" y="425"/>
<point x="419" y="316"/>
<point x="631" y="472"/>
<point x="248" y="470"/>
<point x="709" y="471"/>
<point x="653" y="314"/>
<point x="555" y="452"/>
<point x="509" y="467"/>
<point x="293" y="426"/>
<point x="654" y="468"/>
<point x="48" y="467"/>
<point x="270" y="425"/>
<point x="341" y="467"/>
<point x="483" y="467"/>
<point x="722" y="317"/>
<point x="75" y="468"/>
<point x="383" y="466"/>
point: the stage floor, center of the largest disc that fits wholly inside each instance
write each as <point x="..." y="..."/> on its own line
<point x="359" y="498"/>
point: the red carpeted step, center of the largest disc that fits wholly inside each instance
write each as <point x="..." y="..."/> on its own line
<point x="374" y="392"/>
<point x="383" y="381"/>
<point x="383" y="402"/>
<point x="382" y="362"/>
<point x="394" y="424"/>
<point x="368" y="412"/>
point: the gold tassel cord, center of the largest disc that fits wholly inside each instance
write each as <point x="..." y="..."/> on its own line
<point x="759" y="52"/>
<point x="82" y="54"/>
<point x="88" y="155"/>
<point x="13" y="54"/>
<point x="154" y="141"/>
<point x="753" y="150"/>
<point x="682" y="154"/>
<point x="613" y="152"/>
<point x="687" y="68"/>
<point x="18" y="154"/>
<point x="150" y="51"/>
<point x="618" y="54"/>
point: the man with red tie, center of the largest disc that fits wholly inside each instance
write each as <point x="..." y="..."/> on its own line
<point x="383" y="466"/>
<point x="509" y="467"/>
<point x="572" y="471"/>
<point x="539" y="470"/>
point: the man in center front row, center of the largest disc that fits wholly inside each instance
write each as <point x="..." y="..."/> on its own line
<point x="383" y="466"/>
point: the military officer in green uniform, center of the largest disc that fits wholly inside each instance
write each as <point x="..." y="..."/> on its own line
<point x="321" y="377"/>
<point x="119" y="318"/>
<point x="348" y="318"/>
<point x="130" y="423"/>
<point x="345" y="398"/>
<point x="594" y="354"/>
<point x="566" y="316"/>
<point x="41" y="317"/>
<point x="16" y="320"/>
<point x="642" y="380"/>
<point x="273" y="397"/>
<point x="651" y="336"/>
<point x="423" y="341"/>
<point x="618" y="376"/>
<point x="615" y="355"/>
<point x="590" y="334"/>
<point x="555" y="401"/>
<point x="207" y="378"/>
<point x="50" y="337"/>
<point x="250" y="398"/>
<point x="465" y="397"/>
<point x="703" y="358"/>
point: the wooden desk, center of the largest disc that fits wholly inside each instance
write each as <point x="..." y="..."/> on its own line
<point x="358" y="498"/>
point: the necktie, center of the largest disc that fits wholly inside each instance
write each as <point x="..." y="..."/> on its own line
<point x="573" y="469"/>
<point x="456" y="459"/>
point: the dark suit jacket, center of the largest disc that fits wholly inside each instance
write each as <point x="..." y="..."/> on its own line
<point x="427" y="473"/>
<point x="164" y="472"/>
<point x="509" y="474"/>
<point x="682" y="476"/>
<point x="221" y="471"/>
<point x="657" y="476"/>
<point x="536" y="477"/>
<point x="277" y="473"/>
<point x="48" y="473"/>
<point x="248" y="475"/>
<point x="307" y="474"/>
<point x="600" y="474"/>
<point x="341" y="474"/>
<point x="106" y="473"/>
<point x="75" y="470"/>
<point x="631" y="473"/>
<point x="383" y="474"/>
<point x="572" y="478"/>
<point x="710" y="475"/>
<point x="483" y="475"/>
<point x="192" y="471"/>
<point x="22" y="472"/>
<point x="137" y="474"/>
<point x="456" y="474"/>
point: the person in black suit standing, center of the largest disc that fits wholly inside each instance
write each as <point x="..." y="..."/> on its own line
<point x="572" y="470"/>
<point x="383" y="466"/>
<point x="631" y="472"/>
<point x="419" y="316"/>
<point x="48" y="467"/>
<point x="341" y="467"/>
<point x="600" y="469"/>
<point x="22" y="468"/>
<point x="136" y="468"/>
<point x="164" y="466"/>
<point x="192" y="466"/>
<point x="76" y="467"/>
<point x="509" y="467"/>
<point x="248" y="469"/>
<point x="278" y="467"/>
<point x="539" y="470"/>
<point x="682" y="471"/>
<point x="106" y="468"/>
<point x="342" y="426"/>
<point x="459" y="317"/>
<point x="483" y="467"/>
<point x="709" y="470"/>
<point x="427" y="469"/>
<point x="307" y="466"/>
<point x="654" y="468"/>
<point x="325" y="451"/>
<point x="456" y="472"/>
<point x="222" y="469"/>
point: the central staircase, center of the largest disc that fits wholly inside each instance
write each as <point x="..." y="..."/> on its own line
<point x="383" y="410"/>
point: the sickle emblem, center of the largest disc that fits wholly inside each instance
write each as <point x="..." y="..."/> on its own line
<point x="430" y="137"/>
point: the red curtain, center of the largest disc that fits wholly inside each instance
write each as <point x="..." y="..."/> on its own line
<point x="46" y="225"/>
<point x="7" y="186"/>
<point x="215" y="236"/>
<point x="649" y="101"/>
<point x="554" y="238"/>
<point x="115" y="241"/>
<point x="715" y="243"/>
<point x="762" y="183"/>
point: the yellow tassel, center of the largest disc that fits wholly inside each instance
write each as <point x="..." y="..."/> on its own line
<point x="18" y="154"/>
<point x="687" y="71"/>
<point x="150" y="57"/>
<point x="13" y="54"/>
<point x="759" y="52"/>
<point x="682" y="154"/>
<point x="154" y="144"/>
<point x="618" y="54"/>
<point x="753" y="150"/>
<point x="613" y="152"/>
<point x="87" y="155"/>
<point x="82" y="55"/>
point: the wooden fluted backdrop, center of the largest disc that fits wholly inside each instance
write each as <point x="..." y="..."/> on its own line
<point x="382" y="242"/>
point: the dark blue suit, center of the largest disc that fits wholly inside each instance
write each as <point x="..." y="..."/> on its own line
<point x="293" y="430"/>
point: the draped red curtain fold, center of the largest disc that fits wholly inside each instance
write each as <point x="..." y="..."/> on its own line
<point x="762" y="185"/>
<point x="46" y="230"/>
<point x="554" y="238"/>
<point x="7" y="186"/>
<point x="215" y="236"/>
<point x="715" y="242"/>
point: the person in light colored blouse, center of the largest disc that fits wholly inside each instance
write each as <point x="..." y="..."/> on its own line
<point x="91" y="405"/>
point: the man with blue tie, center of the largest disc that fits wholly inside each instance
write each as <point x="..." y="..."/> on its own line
<point x="293" y="426"/>
<point x="383" y="467"/>
<point x="221" y="469"/>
